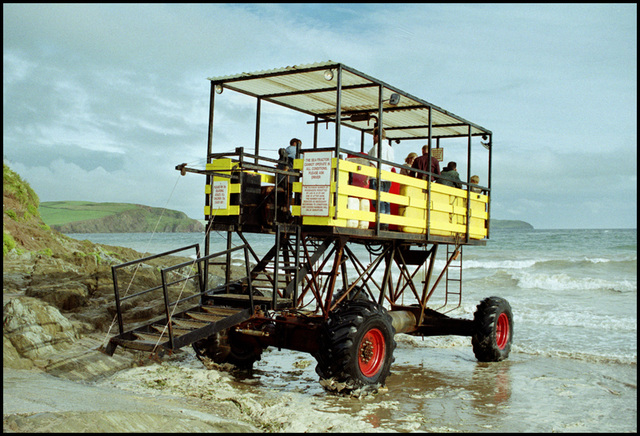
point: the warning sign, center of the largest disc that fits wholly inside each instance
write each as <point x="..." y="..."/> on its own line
<point x="220" y="192"/>
<point x="316" y="183"/>
<point x="317" y="168"/>
<point x="315" y="200"/>
<point x="438" y="153"/>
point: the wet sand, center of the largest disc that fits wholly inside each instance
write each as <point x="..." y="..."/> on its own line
<point x="38" y="402"/>
<point x="430" y="389"/>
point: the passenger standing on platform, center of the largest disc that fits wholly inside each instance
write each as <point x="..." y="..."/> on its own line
<point x="450" y="176"/>
<point x="476" y="181"/>
<point x="408" y="161"/>
<point x="422" y="163"/>
<point x="386" y="154"/>
<point x="293" y="150"/>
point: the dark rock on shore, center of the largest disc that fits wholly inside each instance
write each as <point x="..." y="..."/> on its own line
<point x="58" y="298"/>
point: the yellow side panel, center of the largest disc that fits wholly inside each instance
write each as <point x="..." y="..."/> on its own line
<point x="446" y="209"/>
<point x="267" y="178"/>
<point x="221" y="165"/>
<point x="224" y="166"/>
<point x="232" y="210"/>
<point x="234" y="188"/>
<point x="447" y="214"/>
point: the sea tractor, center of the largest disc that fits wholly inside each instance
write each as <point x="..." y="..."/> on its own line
<point x="341" y="278"/>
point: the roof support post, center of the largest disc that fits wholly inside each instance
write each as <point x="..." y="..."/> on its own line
<point x="337" y="145"/>
<point x="428" y="230"/>
<point x="212" y="97"/>
<point x="468" y="187"/>
<point x="315" y="132"/>
<point x="379" y="154"/>
<point x="489" y="187"/>
<point x="338" y="108"/>
<point x="209" y="178"/>
<point x="257" y="142"/>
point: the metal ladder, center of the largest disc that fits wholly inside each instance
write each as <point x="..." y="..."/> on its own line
<point x="453" y="277"/>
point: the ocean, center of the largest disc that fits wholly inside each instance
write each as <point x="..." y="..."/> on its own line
<point x="573" y="362"/>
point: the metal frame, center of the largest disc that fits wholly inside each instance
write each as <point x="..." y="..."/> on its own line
<point x="304" y="254"/>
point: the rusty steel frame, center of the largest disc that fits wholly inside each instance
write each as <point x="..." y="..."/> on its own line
<point x="332" y="243"/>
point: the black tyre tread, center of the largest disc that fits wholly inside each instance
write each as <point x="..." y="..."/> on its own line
<point x="221" y="349"/>
<point x="483" y="340"/>
<point x="214" y="347"/>
<point x="336" y="354"/>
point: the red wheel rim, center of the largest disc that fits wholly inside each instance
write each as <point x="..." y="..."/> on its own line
<point x="502" y="331"/>
<point x="371" y="352"/>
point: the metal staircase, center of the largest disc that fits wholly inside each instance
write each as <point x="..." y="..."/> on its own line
<point x="271" y="285"/>
<point x="207" y="311"/>
<point x="182" y="330"/>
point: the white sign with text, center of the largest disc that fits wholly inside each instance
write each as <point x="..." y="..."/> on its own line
<point x="316" y="183"/>
<point x="220" y="195"/>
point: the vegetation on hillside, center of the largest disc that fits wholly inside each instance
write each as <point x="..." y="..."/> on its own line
<point x="19" y="209"/>
<point x="88" y="217"/>
<point x="18" y="189"/>
<point x="57" y="213"/>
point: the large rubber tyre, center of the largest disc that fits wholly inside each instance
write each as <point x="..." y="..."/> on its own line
<point x="493" y="334"/>
<point x="357" y="293"/>
<point x="220" y="348"/>
<point x="356" y="347"/>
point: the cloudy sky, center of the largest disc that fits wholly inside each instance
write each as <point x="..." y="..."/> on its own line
<point x="100" y="102"/>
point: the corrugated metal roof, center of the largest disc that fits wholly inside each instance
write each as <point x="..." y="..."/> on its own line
<point x="305" y="89"/>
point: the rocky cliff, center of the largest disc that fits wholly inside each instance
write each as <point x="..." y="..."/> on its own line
<point x="58" y="298"/>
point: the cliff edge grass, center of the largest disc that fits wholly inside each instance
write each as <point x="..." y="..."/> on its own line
<point x="22" y="226"/>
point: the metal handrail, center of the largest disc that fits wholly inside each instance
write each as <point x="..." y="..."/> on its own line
<point x="201" y="285"/>
<point x="114" y="274"/>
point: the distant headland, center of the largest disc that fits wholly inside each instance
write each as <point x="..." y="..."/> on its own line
<point x="510" y="225"/>
<point x="88" y="217"/>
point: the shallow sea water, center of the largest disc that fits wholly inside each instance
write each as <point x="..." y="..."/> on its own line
<point x="446" y="389"/>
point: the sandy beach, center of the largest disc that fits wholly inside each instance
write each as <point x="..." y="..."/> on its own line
<point x="439" y="388"/>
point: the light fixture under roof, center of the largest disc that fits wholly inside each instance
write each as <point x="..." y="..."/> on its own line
<point x="328" y="75"/>
<point x="218" y="88"/>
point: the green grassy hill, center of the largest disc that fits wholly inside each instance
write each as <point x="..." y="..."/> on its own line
<point x="57" y="213"/>
<point x="88" y="217"/>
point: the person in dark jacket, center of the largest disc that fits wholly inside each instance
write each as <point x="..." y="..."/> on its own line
<point x="450" y="176"/>
<point x="422" y="163"/>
